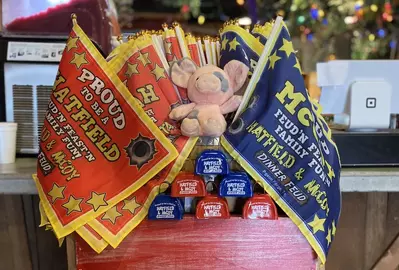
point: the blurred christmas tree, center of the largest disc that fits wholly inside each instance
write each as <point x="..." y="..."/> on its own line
<point x="369" y="25"/>
<point x="187" y="7"/>
<point x="329" y="29"/>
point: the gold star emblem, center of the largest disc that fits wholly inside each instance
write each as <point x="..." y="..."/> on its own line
<point x="131" y="69"/>
<point x="72" y="43"/>
<point x="233" y="44"/>
<point x="331" y="173"/>
<point x="111" y="215"/>
<point x="131" y="205"/>
<point x="297" y="65"/>
<point x="97" y="200"/>
<point x="328" y="237"/>
<point x="224" y="43"/>
<point x="273" y="59"/>
<point x="73" y="205"/>
<point x="168" y="47"/>
<point x="143" y="57"/>
<point x="56" y="192"/>
<point x="317" y="224"/>
<point x="79" y="60"/>
<point x="287" y="47"/>
<point x="158" y="72"/>
<point x="333" y="228"/>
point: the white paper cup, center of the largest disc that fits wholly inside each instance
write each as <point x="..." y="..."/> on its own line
<point x="8" y="140"/>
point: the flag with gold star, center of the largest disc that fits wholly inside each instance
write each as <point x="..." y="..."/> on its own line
<point x="97" y="145"/>
<point x="115" y="224"/>
<point x="171" y="45"/>
<point x="238" y="44"/>
<point x="173" y="53"/>
<point x="193" y="49"/>
<point x="115" y="52"/>
<point x="95" y="240"/>
<point x="146" y="78"/>
<point x="281" y="139"/>
<point x="86" y="232"/>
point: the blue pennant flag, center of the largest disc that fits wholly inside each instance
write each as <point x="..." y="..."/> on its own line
<point x="262" y="32"/>
<point x="280" y="138"/>
<point x="238" y="44"/>
<point x="259" y="37"/>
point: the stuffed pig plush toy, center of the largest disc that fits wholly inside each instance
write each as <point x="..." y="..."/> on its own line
<point x="211" y="92"/>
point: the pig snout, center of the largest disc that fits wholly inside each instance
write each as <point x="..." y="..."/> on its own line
<point x="208" y="83"/>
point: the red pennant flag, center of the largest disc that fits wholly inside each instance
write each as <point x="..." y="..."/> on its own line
<point x="86" y="232"/>
<point x="173" y="53"/>
<point x="118" y="50"/>
<point x="193" y="48"/>
<point x="92" y="238"/>
<point x="115" y="224"/>
<point x="97" y="145"/>
<point x="147" y="79"/>
<point x="171" y="45"/>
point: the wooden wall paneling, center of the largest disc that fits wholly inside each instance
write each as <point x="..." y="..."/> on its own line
<point x="375" y="228"/>
<point x="392" y="227"/>
<point x="71" y="252"/>
<point x="50" y="255"/>
<point x="6" y="258"/>
<point x="392" y="218"/>
<point x="30" y="224"/>
<point x="347" y="250"/>
<point x="14" y="250"/>
<point x="390" y="258"/>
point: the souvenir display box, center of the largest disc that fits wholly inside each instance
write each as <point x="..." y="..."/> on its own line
<point x="232" y="243"/>
<point x="211" y="238"/>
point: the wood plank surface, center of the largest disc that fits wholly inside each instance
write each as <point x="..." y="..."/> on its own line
<point x="390" y="258"/>
<point x="14" y="250"/>
<point x="31" y="226"/>
<point x="392" y="218"/>
<point x="71" y="252"/>
<point x="375" y="228"/>
<point x="347" y="250"/>
<point x="205" y="244"/>
<point x="50" y="255"/>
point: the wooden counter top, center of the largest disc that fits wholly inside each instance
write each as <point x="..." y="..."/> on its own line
<point x="17" y="178"/>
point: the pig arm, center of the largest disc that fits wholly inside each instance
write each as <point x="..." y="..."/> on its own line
<point x="181" y="112"/>
<point x="231" y="105"/>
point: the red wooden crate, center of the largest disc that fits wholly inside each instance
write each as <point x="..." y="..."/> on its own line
<point x="205" y="244"/>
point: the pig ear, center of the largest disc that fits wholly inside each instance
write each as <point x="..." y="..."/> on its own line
<point x="237" y="72"/>
<point x="181" y="71"/>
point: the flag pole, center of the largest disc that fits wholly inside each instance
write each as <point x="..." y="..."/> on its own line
<point x="213" y="51"/>
<point x="74" y="18"/>
<point x="201" y="51"/>
<point x="263" y="59"/>
<point x="181" y="39"/>
<point x="208" y="52"/>
<point x="217" y="43"/>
